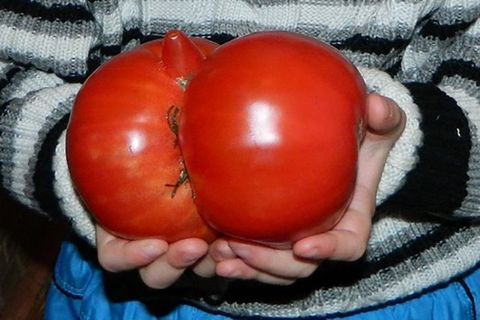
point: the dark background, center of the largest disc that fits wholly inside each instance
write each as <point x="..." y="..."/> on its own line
<point x="29" y="243"/>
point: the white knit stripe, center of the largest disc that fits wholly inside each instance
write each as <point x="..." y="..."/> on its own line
<point x="61" y="52"/>
<point x="403" y="156"/>
<point x="206" y="12"/>
<point x="466" y="46"/>
<point x="381" y="16"/>
<point x="130" y="13"/>
<point x="51" y="3"/>
<point x="421" y="59"/>
<point x="69" y="202"/>
<point x="457" y="10"/>
<point x="208" y="17"/>
<point x="108" y="16"/>
<point x="30" y="120"/>
<point x="38" y="26"/>
<point x="456" y="87"/>
<point x="389" y="230"/>
<point x="27" y="82"/>
<point x="287" y="15"/>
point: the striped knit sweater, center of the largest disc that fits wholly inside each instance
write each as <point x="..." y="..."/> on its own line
<point x="423" y="54"/>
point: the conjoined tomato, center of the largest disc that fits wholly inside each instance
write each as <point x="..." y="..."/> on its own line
<point x="122" y="154"/>
<point x="267" y="126"/>
<point x="269" y="130"/>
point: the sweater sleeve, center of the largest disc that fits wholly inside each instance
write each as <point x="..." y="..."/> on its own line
<point x="440" y="71"/>
<point x="45" y="52"/>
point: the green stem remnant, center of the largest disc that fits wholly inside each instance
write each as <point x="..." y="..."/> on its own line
<point x="172" y="115"/>
<point x="182" y="179"/>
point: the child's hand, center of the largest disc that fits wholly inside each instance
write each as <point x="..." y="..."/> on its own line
<point x="347" y="241"/>
<point x="160" y="264"/>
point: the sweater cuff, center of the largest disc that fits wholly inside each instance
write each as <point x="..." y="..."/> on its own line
<point x="403" y="157"/>
<point x="445" y="181"/>
<point x="69" y="201"/>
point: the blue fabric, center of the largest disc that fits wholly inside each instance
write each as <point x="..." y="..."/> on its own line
<point x="79" y="292"/>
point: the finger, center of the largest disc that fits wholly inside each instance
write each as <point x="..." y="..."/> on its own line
<point x="238" y="269"/>
<point x="337" y="244"/>
<point x="347" y="241"/>
<point x="384" y="115"/>
<point x="165" y="270"/>
<point x="218" y="251"/>
<point x="387" y="121"/>
<point x="116" y="254"/>
<point x="205" y="267"/>
<point x="280" y="263"/>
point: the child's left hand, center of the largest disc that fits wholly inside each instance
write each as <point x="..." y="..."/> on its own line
<point x="346" y="242"/>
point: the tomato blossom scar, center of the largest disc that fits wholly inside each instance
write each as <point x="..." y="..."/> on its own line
<point x="263" y="125"/>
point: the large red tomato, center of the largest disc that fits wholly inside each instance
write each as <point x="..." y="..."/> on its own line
<point x="122" y="150"/>
<point x="269" y="131"/>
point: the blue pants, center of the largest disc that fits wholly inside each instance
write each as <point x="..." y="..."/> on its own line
<point x="79" y="292"/>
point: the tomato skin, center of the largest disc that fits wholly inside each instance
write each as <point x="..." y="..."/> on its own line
<point x="121" y="152"/>
<point x="269" y="130"/>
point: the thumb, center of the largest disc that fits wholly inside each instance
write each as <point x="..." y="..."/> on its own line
<point x="385" y="118"/>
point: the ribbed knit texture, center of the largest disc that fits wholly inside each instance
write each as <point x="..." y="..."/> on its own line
<point x="425" y="55"/>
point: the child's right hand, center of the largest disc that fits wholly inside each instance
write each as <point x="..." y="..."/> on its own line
<point x="160" y="264"/>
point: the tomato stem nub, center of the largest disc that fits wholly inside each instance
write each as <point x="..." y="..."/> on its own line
<point x="180" y="54"/>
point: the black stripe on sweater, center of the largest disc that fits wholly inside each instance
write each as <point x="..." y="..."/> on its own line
<point x="64" y="13"/>
<point x="369" y="44"/>
<point x="219" y="38"/>
<point x="441" y="31"/>
<point x="43" y="177"/>
<point x="465" y="69"/>
<point x="438" y="183"/>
